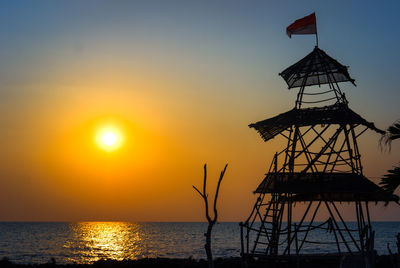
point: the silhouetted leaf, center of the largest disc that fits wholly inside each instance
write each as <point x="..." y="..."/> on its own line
<point x="391" y="181"/>
<point x="392" y="133"/>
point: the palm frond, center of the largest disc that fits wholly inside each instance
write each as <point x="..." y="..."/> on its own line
<point x="392" y="133"/>
<point x="391" y="180"/>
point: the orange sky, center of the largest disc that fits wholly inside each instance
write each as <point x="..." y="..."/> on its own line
<point x="183" y="96"/>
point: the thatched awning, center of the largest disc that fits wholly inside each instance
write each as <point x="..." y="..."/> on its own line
<point x="323" y="186"/>
<point x="316" y="183"/>
<point x="346" y="197"/>
<point x="317" y="68"/>
<point x="333" y="114"/>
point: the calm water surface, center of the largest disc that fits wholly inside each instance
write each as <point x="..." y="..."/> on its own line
<point x="87" y="242"/>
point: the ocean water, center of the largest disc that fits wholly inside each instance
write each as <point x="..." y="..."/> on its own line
<point x="86" y="242"/>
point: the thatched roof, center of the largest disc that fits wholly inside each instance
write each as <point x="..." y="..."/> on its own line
<point x="316" y="68"/>
<point x="378" y="196"/>
<point x="333" y="114"/>
<point x="323" y="186"/>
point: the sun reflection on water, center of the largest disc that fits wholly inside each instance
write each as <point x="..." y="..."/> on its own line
<point x="93" y="241"/>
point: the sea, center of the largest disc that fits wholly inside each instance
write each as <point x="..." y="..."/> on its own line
<point x="87" y="242"/>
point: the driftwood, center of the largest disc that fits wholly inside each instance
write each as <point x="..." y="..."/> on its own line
<point x="211" y="221"/>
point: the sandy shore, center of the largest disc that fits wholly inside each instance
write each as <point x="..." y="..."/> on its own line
<point x="381" y="262"/>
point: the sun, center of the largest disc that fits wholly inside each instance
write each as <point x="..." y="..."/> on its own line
<point x="109" y="138"/>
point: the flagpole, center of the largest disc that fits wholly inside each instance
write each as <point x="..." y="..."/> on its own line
<point x="316" y="30"/>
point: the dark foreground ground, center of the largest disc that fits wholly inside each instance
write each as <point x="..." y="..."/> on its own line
<point x="381" y="261"/>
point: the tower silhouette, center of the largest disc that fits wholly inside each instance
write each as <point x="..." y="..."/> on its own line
<point x="319" y="167"/>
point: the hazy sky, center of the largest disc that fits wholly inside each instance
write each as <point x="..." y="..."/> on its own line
<point x="181" y="80"/>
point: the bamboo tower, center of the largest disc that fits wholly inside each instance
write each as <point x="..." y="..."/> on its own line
<point x="320" y="167"/>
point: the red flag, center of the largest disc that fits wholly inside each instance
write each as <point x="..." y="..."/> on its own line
<point x="306" y="25"/>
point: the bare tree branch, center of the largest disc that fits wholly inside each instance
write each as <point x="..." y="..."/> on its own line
<point x="211" y="222"/>
<point x="205" y="195"/>
<point x="221" y="176"/>
<point x="198" y="191"/>
<point x="205" y="179"/>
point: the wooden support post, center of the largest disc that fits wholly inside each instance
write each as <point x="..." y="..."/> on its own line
<point x="357" y="152"/>
<point x="287" y="149"/>
<point x="329" y="156"/>
<point x="241" y="240"/>
<point x="291" y="158"/>
<point x="298" y="226"/>
<point x="336" y="238"/>
<point x="368" y="217"/>
<point x="338" y="228"/>
<point x="310" y="225"/>
<point x="297" y="246"/>
<point x="247" y="240"/>
<point x="345" y="225"/>
<point x="289" y="221"/>
<point x="360" y="228"/>
<point x="307" y="154"/>
<point x="337" y="157"/>
<point x="282" y="201"/>
<point x="349" y="149"/>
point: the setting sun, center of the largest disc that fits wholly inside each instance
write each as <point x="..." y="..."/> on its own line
<point x="109" y="138"/>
